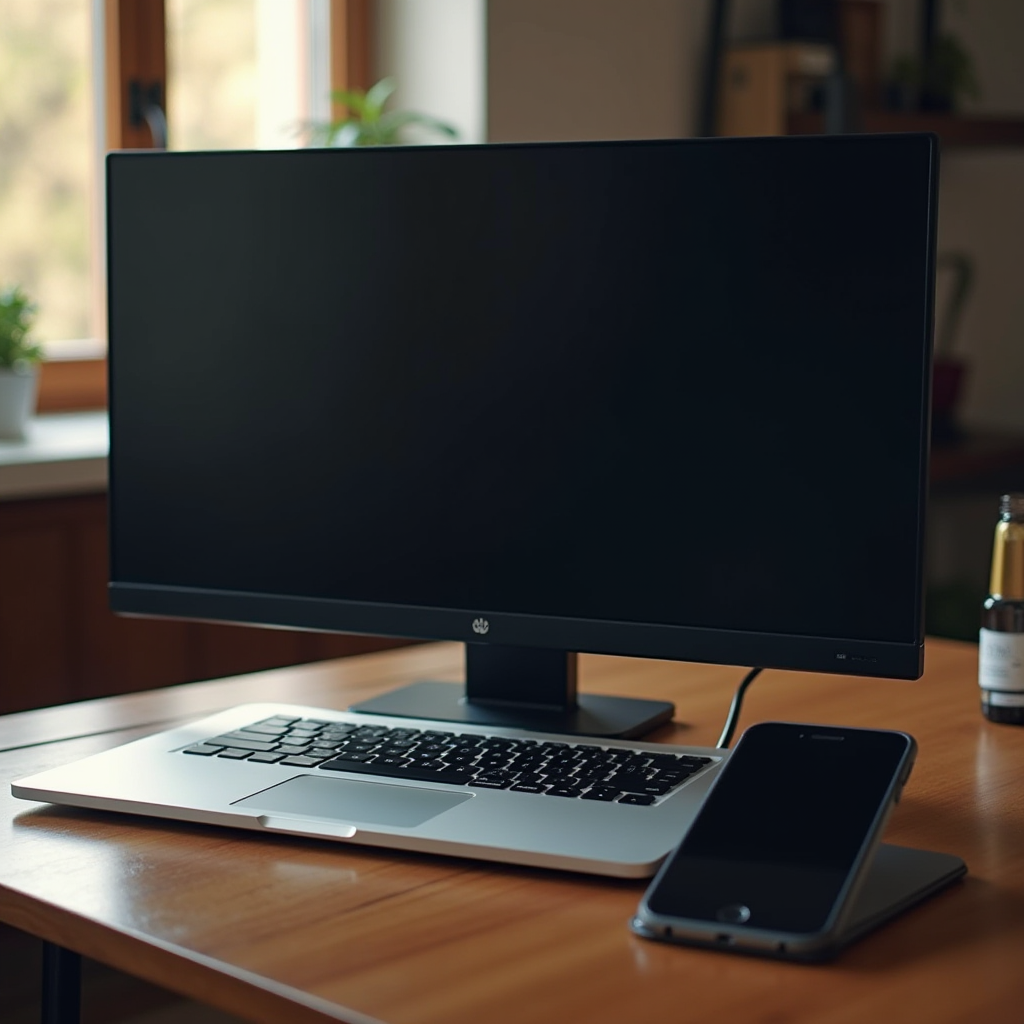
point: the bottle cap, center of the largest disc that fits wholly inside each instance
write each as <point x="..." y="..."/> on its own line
<point x="1011" y="506"/>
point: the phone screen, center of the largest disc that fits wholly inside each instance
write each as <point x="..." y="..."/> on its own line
<point x="783" y="825"/>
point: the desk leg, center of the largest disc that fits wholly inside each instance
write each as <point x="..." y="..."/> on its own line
<point x="62" y="985"/>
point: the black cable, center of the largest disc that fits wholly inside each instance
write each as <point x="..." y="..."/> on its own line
<point x="734" y="711"/>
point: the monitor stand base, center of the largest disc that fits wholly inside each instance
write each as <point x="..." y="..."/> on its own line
<point x="593" y="715"/>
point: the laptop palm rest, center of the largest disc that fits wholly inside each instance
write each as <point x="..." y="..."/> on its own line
<point x="352" y="802"/>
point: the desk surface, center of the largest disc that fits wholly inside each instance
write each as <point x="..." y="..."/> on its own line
<point x="291" y="930"/>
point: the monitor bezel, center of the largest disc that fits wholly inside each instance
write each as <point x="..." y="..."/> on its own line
<point x="647" y="640"/>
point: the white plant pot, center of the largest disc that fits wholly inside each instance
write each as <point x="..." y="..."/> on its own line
<point x="17" y="401"/>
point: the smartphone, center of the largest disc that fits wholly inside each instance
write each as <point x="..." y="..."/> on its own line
<point x="776" y="855"/>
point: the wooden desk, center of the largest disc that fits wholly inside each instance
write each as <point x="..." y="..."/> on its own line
<point x="289" y="930"/>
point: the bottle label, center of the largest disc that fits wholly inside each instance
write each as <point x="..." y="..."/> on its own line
<point x="1001" y="661"/>
<point x="996" y="699"/>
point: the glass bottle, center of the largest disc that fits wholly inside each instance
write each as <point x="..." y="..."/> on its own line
<point x="1001" y="651"/>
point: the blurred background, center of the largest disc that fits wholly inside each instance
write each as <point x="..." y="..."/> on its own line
<point x="81" y="77"/>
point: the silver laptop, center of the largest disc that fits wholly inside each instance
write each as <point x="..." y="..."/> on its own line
<point x="606" y="807"/>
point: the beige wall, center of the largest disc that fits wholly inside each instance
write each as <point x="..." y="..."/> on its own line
<point x="436" y="51"/>
<point x="592" y="69"/>
<point x="982" y="212"/>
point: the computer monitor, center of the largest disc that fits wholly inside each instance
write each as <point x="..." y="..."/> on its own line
<point x="667" y="399"/>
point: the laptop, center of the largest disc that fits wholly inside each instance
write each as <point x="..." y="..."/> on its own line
<point x="606" y="807"/>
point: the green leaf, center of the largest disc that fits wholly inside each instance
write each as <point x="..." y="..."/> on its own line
<point x="379" y="94"/>
<point x="368" y="124"/>
<point x="353" y="99"/>
<point x="395" y="120"/>
<point x="347" y="134"/>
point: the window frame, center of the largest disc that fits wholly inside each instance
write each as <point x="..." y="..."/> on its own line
<point x="135" y="49"/>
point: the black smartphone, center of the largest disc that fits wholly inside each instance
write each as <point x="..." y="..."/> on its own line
<point x="777" y="853"/>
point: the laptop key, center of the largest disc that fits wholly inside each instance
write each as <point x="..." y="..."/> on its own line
<point x="530" y="778"/>
<point x="629" y="784"/>
<point x="241" y="743"/>
<point x="563" y="791"/>
<point x="565" y="782"/>
<point x="235" y="754"/>
<point x="604" y="793"/>
<point x="262" y="758"/>
<point x="638" y="799"/>
<point x="657" y="788"/>
<point x="672" y="778"/>
<point x="450" y="776"/>
<point x="298" y="761"/>
<point x="203" y="749"/>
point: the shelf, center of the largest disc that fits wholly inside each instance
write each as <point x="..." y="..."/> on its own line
<point x="952" y="129"/>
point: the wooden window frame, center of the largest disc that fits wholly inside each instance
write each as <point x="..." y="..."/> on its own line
<point x="135" y="49"/>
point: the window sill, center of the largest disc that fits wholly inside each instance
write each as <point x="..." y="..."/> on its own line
<point x="63" y="454"/>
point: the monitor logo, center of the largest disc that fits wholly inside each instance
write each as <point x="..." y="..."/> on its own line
<point x="481" y="626"/>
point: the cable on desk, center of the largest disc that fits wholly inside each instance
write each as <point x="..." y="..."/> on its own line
<point x="734" y="711"/>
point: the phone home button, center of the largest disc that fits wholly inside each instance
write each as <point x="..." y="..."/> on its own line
<point x="733" y="913"/>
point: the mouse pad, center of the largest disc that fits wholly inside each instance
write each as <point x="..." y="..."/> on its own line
<point x="348" y="801"/>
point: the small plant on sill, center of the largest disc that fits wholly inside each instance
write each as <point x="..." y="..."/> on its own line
<point x="367" y="123"/>
<point x="18" y="352"/>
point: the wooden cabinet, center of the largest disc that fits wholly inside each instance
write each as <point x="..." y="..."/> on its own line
<point x="59" y="641"/>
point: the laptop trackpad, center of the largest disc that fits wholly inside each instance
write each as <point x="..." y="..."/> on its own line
<point x="348" y="801"/>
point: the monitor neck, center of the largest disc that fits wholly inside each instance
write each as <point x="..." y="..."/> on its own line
<point x="523" y="677"/>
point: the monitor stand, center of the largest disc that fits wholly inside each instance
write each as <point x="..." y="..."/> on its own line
<point x="522" y="688"/>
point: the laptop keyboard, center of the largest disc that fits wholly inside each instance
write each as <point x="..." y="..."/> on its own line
<point x="584" y="771"/>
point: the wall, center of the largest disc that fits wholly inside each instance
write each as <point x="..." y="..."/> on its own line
<point x="436" y="50"/>
<point x="593" y="69"/>
<point x="982" y="212"/>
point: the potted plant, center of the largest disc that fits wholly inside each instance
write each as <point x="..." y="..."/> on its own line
<point x="936" y="84"/>
<point x="367" y="123"/>
<point x="20" y="357"/>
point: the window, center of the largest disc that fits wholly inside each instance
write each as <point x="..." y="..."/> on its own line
<point x="47" y="163"/>
<point x="230" y="73"/>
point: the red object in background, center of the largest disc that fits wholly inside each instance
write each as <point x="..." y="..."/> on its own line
<point x="947" y="383"/>
<point x="947" y="386"/>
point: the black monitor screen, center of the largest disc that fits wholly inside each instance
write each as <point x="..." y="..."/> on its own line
<point x="655" y="398"/>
